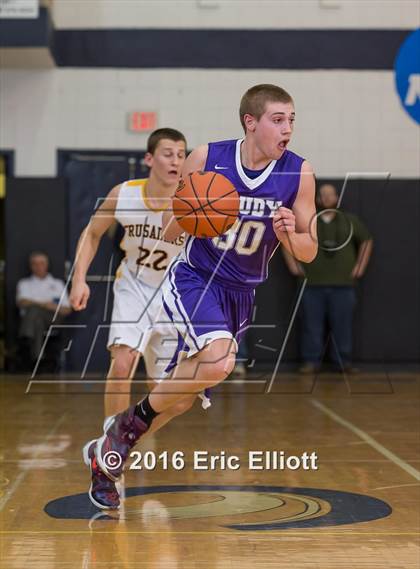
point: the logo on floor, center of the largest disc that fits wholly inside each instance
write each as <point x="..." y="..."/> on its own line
<point x="246" y="508"/>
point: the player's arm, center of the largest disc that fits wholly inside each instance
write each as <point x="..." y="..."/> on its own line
<point x="296" y="228"/>
<point x="195" y="161"/>
<point x="88" y="245"/>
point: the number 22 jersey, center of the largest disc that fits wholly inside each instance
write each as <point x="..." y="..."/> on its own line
<point x="239" y="258"/>
<point x="147" y="255"/>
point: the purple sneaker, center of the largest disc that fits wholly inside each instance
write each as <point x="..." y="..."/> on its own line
<point x="121" y="434"/>
<point x="102" y="492"/>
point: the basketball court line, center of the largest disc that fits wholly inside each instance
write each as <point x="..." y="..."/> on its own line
<point x="11" y="490"/>
<point x="368" y="439"/>
<point x="319" y="533"/>
<point x="22" y="475"/>
<point x="397" y="486"/>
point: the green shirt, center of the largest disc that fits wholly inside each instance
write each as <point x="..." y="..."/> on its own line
<point x="338" y="244"/>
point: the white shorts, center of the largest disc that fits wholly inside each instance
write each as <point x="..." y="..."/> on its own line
<point x="140" y="322"/>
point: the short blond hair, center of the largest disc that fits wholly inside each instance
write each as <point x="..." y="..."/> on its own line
<point x="255" y="99"/>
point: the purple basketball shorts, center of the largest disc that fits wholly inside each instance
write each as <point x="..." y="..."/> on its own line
<point x="203" y="310"/>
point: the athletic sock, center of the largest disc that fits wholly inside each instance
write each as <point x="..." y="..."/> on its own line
<point x="145" y="411"/>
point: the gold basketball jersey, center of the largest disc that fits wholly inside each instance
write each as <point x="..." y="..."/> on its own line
<point x="147" y="255"/>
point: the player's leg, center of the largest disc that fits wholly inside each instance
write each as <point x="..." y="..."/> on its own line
<point x="158" y="353"/>
<point x="210" y="365"/>
<point x="129" y="318"/>
<point x="207" y="317"/>
<point x="177" y="394"/>
<point x="172" y="412"/>
<point x="211" y="350"/>
<point x="132" y="317"/>
<point x="124" y="361"/>
<point x="165" y="347"/>
<point x="103" y="492"/>
<point x="182" y="405"/>
<point x="207" y="368"/>
<point x="157" y="345"/>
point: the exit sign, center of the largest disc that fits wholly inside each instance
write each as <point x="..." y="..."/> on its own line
<point x="142" y="121"/>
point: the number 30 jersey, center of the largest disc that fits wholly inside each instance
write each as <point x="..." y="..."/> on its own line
<point x="239" y="258"/>
<point x="147" y="255"/>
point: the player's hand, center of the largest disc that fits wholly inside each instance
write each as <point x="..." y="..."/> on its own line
<point x="79" y="295"/>
<point x="284" y="223"/>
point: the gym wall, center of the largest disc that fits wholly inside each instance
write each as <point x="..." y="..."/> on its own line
<point x="336" y="62"/>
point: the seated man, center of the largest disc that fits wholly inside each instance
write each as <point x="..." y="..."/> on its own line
<point x="38" y="297"/>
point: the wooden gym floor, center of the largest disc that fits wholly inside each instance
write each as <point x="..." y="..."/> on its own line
<point x="359" y="510"/>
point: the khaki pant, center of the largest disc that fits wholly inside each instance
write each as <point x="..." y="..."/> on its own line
<point x="35" y="321"/>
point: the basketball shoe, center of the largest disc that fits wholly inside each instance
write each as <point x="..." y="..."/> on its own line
<point x="121" y="432"/>
<point x="102" y="492"/>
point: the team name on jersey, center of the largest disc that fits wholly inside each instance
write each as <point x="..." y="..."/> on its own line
<point x="258" y="207"/>
<point x="147" y="230"/>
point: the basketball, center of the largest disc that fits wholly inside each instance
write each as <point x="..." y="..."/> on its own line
<point x="205" y="204"/>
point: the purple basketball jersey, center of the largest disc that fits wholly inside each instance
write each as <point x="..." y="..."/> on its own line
<point x="239" y="258"/>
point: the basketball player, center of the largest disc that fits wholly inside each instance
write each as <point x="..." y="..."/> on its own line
<point x="137" y="326"/>
<point x="209" y="289"/>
